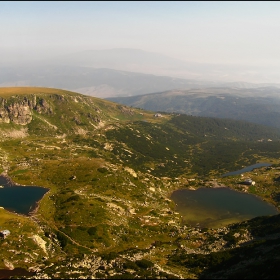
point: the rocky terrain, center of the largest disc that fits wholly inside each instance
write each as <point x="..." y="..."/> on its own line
<point x="110" y="170"/>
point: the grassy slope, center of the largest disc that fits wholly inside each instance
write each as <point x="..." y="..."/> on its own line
<point x="7" y="92"/>
<point x="125" y="164"/>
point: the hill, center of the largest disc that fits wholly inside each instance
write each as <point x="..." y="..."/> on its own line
<point x="110" y="170"/>
<point x="122" y="72"/>
<point x="137" y="60"/>
<point x="257" y="105"/>
<point x="98" y="82"/>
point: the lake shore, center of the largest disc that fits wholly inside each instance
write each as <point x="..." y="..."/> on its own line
<point x="37" y="205"/>
<point x="208" y="205"/>
<point x="16" y="198"/>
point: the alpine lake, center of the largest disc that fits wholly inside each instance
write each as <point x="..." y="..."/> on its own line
<point x="218" y="207"/>
<point x="19" y="199"/>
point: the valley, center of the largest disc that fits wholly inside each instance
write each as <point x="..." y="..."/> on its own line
<point x="110" y="170"/>
<point x="257" y="104"/>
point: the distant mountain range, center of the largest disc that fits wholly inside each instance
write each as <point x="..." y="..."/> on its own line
<point x="90" y="81"/>
<point x="122" y="72"/>
<point x="259" y="105"/>
<point x="135" y="60"/>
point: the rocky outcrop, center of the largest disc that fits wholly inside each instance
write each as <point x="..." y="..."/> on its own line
<point x="19" y="111"/>
<point x="126" y="110"/>
<point x="8" y="264"/>
<point x="42" y="106"/>
<point x="4" y="116"/>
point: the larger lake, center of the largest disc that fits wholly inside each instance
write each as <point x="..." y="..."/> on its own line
<point x="217" y="207"/>
<point x="19" y="199"/>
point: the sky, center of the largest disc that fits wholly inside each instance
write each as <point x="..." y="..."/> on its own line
<point x="244" y="33"/>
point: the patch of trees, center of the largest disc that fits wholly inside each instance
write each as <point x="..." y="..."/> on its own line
<point x="224" y="128"/>
<point x="248" y="259"/>
<point x="262" y="226"/>
<point x="73" y="198"/>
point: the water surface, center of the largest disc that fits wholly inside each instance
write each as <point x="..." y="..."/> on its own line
<point x="217" y="207"/>
<point x="19" y="199"/>
<point x="247" y="169"/>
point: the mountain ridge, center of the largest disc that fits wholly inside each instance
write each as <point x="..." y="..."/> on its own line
<point x="254" y="105"/>
<point x="123" y="72"/>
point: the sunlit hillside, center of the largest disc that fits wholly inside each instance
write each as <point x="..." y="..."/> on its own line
<point x="110" y="170"/>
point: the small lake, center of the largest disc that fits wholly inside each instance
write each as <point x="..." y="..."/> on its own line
<point x="19" y="199"/>
<point x="218" y="207"/>
<point x="247" y="169"/>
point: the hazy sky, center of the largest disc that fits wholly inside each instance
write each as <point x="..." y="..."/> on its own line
<point x="222" y="32"/>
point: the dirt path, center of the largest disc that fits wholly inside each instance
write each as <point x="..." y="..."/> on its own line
<point x="39" y="222"/>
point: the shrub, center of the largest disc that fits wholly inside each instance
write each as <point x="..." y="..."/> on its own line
<point x="63" y="240"/>
<point x="102" y="169"/>
<point x="144" y="263"/>
<point x="92" y="230"/>
<point x="73" y="198"/>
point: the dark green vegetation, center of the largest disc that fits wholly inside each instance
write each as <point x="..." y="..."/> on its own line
<point x="257" y="105"/>
<point x="212" y="144"/>
<point x="110" y="170"/>
<point x="257" y="259"/>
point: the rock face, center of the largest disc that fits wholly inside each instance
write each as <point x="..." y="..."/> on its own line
<point x="4" y="114"/>
<point x="8" y="264"/>
<point x="19" y="111"/>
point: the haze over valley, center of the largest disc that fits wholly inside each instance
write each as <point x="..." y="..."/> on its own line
<point x="123" y="72"/>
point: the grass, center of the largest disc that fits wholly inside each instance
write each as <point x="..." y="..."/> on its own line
<point x="94" y="201"/>
<point x="16" y="246"/>
<point x="7" y="92"/>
